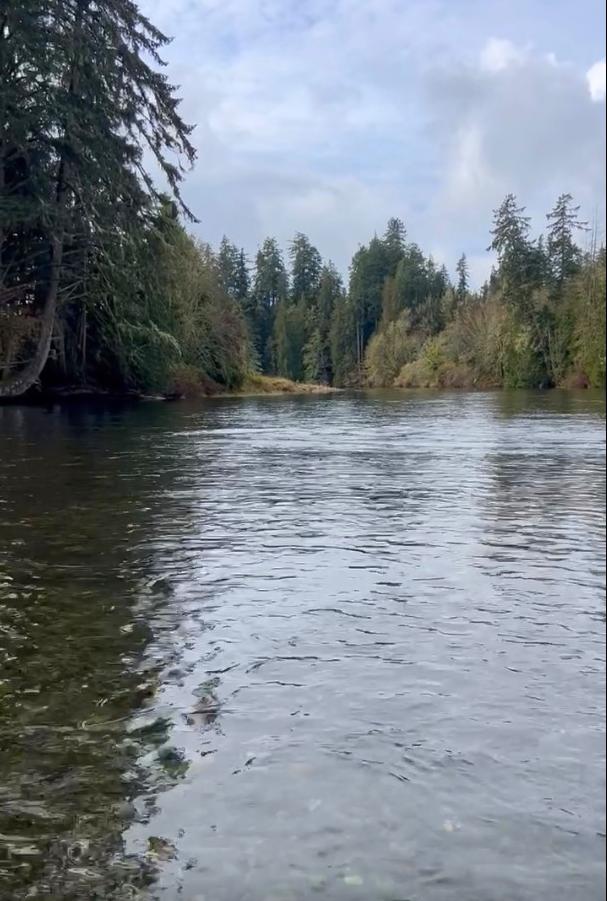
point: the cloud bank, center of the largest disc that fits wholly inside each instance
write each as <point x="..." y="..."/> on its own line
<point x="329" y="117"/>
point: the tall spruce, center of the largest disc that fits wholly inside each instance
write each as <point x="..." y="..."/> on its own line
<point x="306" y="265"/>
<point x="411" y="284"/>
<point x="463" y="279"/>
<point x="368" y="272"/>
<point x="83" y="100"/>
<point x="318" y="359"/>
<point x="564" y="255"/>
<point x="270" y="287"/>
<point x="510" y="240"/>
<point x="227" y="261"/>
<point x="242" y="280"/>
<point x="233" y="271"/>
<point x="395" y="240"/>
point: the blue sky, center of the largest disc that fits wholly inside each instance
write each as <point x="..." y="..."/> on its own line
<point x="329" y="117"/>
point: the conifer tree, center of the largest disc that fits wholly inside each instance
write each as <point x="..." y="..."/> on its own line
<point x="463" y="280"/>
<point x="395" y="238"/>
<point x="82" y="101"/>
<point x="306" y="265"/>
<point x="270" y="287"/>
<point x="564" y="255"/>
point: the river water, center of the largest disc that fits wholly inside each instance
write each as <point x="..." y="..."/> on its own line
<point x="345" y="647"/>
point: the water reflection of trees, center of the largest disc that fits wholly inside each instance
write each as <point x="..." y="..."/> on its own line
<point x="544" y="503"/>
<point x="78" y="495"/>
<point x="413" y="473"/>
<point x="541" y="464"/>
<point x="516" y="404"/>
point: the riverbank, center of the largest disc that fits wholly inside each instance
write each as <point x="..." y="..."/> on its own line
<point x="253" y="386"/>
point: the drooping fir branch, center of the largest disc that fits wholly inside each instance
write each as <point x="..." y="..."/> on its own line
<point x="81" y="103"/>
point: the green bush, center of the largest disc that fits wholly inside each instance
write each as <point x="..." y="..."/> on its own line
<point x="388" y="351"/>
<point x="589" y="329"/>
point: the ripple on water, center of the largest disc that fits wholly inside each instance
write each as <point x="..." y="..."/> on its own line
<point x="347" y="646"/>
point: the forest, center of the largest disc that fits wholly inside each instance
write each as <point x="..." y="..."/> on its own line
<point x="103" y="286"/>
<point x="539" y="321"/>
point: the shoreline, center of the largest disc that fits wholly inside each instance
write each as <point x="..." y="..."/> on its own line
<point x="256" y="386"/>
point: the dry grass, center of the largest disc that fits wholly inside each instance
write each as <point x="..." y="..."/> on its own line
<point x="269" y="384"/>
<point x="188" y="381"/>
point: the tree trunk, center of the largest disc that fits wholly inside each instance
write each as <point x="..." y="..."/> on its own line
<point x="20" y="382"/>
<point x="8" y="359"/>
<point x="83" y="342"/>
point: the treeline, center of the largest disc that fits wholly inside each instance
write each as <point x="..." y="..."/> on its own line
<point x="102" y="286"/>
<point x="538" y="321"/>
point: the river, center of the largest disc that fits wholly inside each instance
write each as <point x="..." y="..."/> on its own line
<point x="348" y="647"/>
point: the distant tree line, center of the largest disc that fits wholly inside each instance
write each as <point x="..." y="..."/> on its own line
<point x="538" y="321"/>
<point x="101" y="285"/>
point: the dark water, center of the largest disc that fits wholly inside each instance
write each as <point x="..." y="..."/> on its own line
<point x="344" y="647"/>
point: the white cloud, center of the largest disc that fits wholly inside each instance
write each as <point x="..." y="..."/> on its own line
<point x="328" y="116"/>
<point x="530" y="129"/>
<point x="468" y="174"/>
<point x="595" y="76"/>
<point x="498" y="54"/>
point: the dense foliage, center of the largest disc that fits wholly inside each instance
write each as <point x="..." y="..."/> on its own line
<point x="539" y="321"/>
<point x="101" y="285"/>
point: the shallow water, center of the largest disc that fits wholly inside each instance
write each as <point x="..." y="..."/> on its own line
<point x="346" y="647"/>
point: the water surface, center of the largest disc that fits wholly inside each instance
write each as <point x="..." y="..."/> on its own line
<point x="345" y="647"/>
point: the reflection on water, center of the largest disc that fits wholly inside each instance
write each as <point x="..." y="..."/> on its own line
<point x="345" y="647"/>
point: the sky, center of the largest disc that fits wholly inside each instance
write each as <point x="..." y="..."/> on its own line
<point x="330" y="116"/>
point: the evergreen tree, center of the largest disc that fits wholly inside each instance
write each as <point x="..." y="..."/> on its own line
<point x="233" y="271"/>
<point x="242" y="279"/>
<point x="370" y="267"/>
<point x="344" y="335"/>
<point x="510" y="240"/>
<point x="439" y="279"/>
<point x="270" y="287"/>
<point x="564" y="256"/>
<point x="155" y="312"/>
<point x="510" y="230"/>
<point x="463" y="281"/>
<point x="412" y="284"/>
<point x="431" y="316"/>
<point x="306" y="265"/>
<point x="228" y="260"/>
<point x="395" y="238"/>
<point x="81" y="103"/>
<point x="318" y="360"/>
<point x="289" y="337"/>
